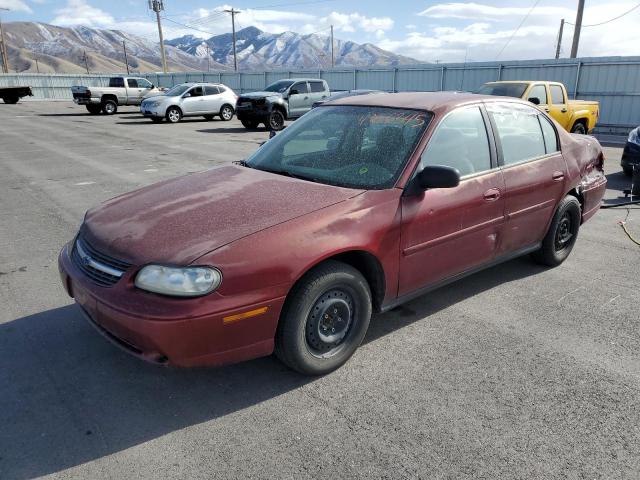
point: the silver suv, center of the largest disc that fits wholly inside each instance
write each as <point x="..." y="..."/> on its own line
<point x="280" y="101"/>
<point x="206" y="100"/>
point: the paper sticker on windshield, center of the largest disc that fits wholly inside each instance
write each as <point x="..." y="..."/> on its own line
<point x="363" y="170"/>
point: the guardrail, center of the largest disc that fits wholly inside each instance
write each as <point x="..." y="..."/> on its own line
<point x="613" y="81"/>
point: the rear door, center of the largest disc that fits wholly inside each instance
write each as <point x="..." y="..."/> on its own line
<point x="317" y="92"/>
<point x="449" y="231"/>
<point x="212" y="99"/>
<point x="298" y="99"/>
<point x="558" y="108"/>
<point x="534" y="172"/>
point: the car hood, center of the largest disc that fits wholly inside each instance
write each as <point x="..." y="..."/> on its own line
<point x="179" y="220"/>
<point x="261" y="95"/>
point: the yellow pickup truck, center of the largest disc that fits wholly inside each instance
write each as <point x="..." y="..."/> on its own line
<point x="576" y="116"/>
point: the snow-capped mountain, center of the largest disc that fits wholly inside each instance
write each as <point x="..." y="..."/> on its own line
<point x="61" y="49"/>
<point x="261" y="50"/>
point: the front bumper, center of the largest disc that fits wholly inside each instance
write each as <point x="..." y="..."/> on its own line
<point x="148" y="111"/>
<point x="174" y="331"/>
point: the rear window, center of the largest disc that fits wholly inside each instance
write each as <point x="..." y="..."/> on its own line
<point x="504" y="89"/>
<point x="116" y="82"/>
<point x="316" y="87"/>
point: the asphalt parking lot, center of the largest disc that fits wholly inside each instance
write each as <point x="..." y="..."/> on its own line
<point x="515" y="372"/>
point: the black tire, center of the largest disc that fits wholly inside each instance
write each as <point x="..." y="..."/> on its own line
<point x="579" y="128"/>
<point x="208" y="117"/>
<point x="562" y="234"/>
<point x="10" y="100"/>
<point x="157" y="119"/>
<point x="226" y="113"/>
<point x="94" y="109"/>
<point x="174" y="115"/>
<point x="276" y="120"/>
<point x="324" y="319"/>
<point x="109" y="107"/>
<point x="628" y="171"/>
<point x="249" y="124"/>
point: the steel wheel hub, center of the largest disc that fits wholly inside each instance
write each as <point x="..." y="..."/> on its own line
<point x="174" y="116"/>
<point x="564" y="232"/>
<point x="226" y="113"/>
<point x="329" y="321"/>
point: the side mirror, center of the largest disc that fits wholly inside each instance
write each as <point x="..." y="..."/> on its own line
<point x="434" y="176"/>
<point x="186" y="95"/>
<point x="535" y="100"/>
<point x="152" y="87"/>
<point x="294" y="91"/>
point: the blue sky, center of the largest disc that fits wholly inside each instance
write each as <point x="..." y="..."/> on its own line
<point x="426" y="30"/>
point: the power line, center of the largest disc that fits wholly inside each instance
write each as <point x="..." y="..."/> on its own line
<point x="518" y="29"/>
<point x="608" y="21"/>
<point x="191" y="27"/>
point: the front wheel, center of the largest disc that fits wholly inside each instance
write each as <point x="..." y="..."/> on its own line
<point x="324" y="320"/>
<point x="174" y="115"/>
<point x="208" y="117"/>
<point x="579" y="128"/>
<point x="157" y="119"/>
<point x="10" y="100"/>
<point x="562" y="234"/>
<point x="109" y="107"/>
<point x="226" y="113"/>
<point x="276" y="121"/>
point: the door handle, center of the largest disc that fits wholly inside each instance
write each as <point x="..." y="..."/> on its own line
<point x="557" y="176"/>
<point x="492" y="195"/>
<point x="547" y="110"/>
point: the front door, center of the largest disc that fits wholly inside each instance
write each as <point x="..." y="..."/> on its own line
<point x="298" y="99"/>
<point x="194" y="102"/>
<point x="534" y="172"/>
<point x="449" y="231"/>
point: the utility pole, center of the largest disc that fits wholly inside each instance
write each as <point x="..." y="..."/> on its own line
<point x="576" y="31"/>
<point x="158" y="6"/>
<point x="37" y="66"/>
<point x="233" y="29"/>
<point x="126" y="60"/>
<point x="86" y="63"/>
<point x="3" y="47"/>
<point x="333" y="57"/>
<point x="560" y="38"/>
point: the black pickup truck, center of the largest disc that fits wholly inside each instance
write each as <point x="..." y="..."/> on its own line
<point x="11" y="95"/>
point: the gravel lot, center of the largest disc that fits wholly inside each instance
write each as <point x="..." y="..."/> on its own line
<point x="516" y="372"/>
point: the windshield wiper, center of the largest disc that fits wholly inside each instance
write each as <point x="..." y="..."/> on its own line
<point x="242" y="163"/>
<point x="287" y="173"/>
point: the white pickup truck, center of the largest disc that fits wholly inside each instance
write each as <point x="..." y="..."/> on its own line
<point x="121" y="91"/>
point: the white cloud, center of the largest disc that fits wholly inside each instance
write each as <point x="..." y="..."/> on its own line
<point x="411" y="26"/>
<point x="78" y="12"/>
<point x="475" y="11"/>
<point x="15" y="6"/>
<point x="351" y="22"/>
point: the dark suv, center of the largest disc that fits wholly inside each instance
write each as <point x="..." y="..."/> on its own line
<point x="280" y="101"/>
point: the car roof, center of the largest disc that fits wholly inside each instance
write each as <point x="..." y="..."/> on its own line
<point x="430" y="101"/>
<point x="301" y="79"/>
<point x="193" y="84"/>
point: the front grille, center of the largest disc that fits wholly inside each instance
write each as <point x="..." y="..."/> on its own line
<point x="101" y="268"/>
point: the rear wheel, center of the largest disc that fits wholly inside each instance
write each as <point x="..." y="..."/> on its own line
<point x="276" y="120"/>
<point x="579" y="128"/>
<point x="226" y="113"/>
<point x="10" y="100"/>
<point x="174" y="115"/>
<point x="249" y="124"/>
<point x="109" y="107"/>
<point x="324" y="320"/>
<point x="93" y="109"/>
<point x="562" y="234"/>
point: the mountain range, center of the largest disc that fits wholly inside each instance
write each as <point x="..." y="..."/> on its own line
<point x="48" y="48"/>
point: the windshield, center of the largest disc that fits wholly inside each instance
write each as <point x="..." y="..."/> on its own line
<point x="178" y="90"/>
<point x="346" y="146"/>
<point x="504" y="89"/>
<point x="280" y="86"/>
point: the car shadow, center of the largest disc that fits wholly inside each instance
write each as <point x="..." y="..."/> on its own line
<point x="83" y="114"/>
<point x="232" y="130"/>
<point x="70" y="397"/>
<point x="147" y="121"/>
<point x="617" y="182"/>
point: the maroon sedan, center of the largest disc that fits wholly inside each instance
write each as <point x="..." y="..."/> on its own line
<point x="361" y="205"/>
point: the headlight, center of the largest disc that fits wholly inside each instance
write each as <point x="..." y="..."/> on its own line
<point x="180" y="282"/>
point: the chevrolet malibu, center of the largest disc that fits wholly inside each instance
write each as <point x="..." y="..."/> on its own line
<point x="363" y="204"/>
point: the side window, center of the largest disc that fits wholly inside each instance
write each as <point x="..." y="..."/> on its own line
<point x="132" y="82"/>
<point x="557" y="94"/>
<point x="211" y="90"/>
<point x="549" y="134"/>
<point x="196" y="92"/>
<point x="519" y="131"/>
<point x="316" y="87"/>
<point x="116" y="82"/>
<point x="461" y="142"/>
<point x="539" y="92"/>
<point x="144" y="83"/>
<point x="301" y="87"/>
<point x="222" y="89"/>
